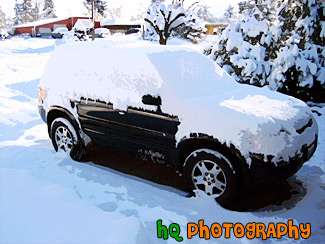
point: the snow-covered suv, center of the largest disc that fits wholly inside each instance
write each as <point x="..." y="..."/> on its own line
<point x="175" y="106"/>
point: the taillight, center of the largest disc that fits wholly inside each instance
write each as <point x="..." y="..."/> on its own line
<point x="42" y="94"/>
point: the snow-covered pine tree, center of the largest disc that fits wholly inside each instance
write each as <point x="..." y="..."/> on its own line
<point x="114" y="12"/>
<point x="37" y="10"/>
<point x="100" y="7"/>
<point x="204" y="12"/>
<point x="247" y="6"/>
<point x="23" y="12"/>
<point x="18" y="14"/>
<point x="164" y="19"/>
<point x="246" y="46"/>
<point x="299" y="65"/>
<point x="48" y="10"/>
<point x="230" y="14"/>
<point x="2" y="20"/>
<point x="28" y="11"/>
<point x="156" y="2"/>
<point x="177" y="3"/>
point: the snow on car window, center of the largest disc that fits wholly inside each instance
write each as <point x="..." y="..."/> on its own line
<point x="191" y="74"/>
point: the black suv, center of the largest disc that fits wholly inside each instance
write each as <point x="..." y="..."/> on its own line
<point x="174" y="106"/>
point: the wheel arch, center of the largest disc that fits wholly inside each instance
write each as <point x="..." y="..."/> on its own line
<point x="189" y="145"/>
<point x="57" y="112"/>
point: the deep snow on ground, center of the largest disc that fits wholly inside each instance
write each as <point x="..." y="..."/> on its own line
<point x="45" y="197"/>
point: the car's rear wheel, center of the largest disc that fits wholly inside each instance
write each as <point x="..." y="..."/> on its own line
<point x="65" y="138"/>
<point x="211" y="174"/>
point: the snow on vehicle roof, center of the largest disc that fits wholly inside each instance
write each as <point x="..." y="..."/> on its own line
<point x="134" y="69"/>
<point x="204" y="97"/>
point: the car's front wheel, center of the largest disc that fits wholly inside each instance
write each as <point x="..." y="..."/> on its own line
<point x="65" y="138"/>
<point x="209" y="173"/>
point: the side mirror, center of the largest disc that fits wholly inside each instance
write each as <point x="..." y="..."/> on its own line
<point x="150" y="100"/>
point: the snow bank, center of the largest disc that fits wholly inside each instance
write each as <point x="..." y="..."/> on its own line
<point x="71" y="215"/>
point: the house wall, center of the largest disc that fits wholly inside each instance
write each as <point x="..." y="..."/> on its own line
<point x="68" y="22"/>
<point x="214" y="28"/>
<point x="23" y="30"/>
<point x="51" y="25"/>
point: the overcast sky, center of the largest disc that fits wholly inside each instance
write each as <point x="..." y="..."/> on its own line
<point x="66" y="8"/>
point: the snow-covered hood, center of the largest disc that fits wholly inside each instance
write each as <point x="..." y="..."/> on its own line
<point x="254" y="120"/>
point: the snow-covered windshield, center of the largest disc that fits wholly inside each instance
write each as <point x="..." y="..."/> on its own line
<point x="191" y="74"/>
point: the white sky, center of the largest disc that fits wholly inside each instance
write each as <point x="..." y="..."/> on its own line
<point x="66" y="8"/>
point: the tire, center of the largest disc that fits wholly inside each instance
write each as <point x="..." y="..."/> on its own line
<point x="65" y="138"/>
<point x="211" y="174"/>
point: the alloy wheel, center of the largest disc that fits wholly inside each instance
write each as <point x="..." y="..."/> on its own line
<point x="209" y="177"/>
<point x="63" y="139"/>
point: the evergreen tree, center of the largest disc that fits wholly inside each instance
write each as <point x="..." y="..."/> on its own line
<point x="279" y="43"/>
<point x="23" y="12"/>
<point x="28" y="11"/>
<point x="299" y="65"/>
<point x="204" y="13"/>
<point x="156" y="2"/>
<point x="230" y="14"/>
<point x="177" y="3"/>
<point x="245" y="46"/>
<point x="18" y="14"/>
<point x="114" y="12"/>
<point x="100" y="7"/>
<point x="2" y="20"/>
<point x="37" y="10"/>
<point x="49" y="9"/>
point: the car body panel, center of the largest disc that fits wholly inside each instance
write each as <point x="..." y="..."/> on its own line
<point x="128" y="131"/>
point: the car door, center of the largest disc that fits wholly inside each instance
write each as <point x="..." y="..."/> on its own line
<point x="149" y="133"/>
<point x="152" y="133"/>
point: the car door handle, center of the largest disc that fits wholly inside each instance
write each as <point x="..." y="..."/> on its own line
<point x="121" y="113"/>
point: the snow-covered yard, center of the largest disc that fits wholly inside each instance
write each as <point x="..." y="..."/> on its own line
<point x="45" y="197"/>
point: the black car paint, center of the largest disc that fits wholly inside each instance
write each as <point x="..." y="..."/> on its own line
<point x="135" y="131"/>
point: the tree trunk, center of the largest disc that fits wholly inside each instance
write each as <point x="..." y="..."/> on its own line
<point x="162" y="41"/>
<point x="162" y="38"/>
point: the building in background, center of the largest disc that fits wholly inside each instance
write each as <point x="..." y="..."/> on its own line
<point x="45" y="27"/>
<point x="121" y="26"/>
